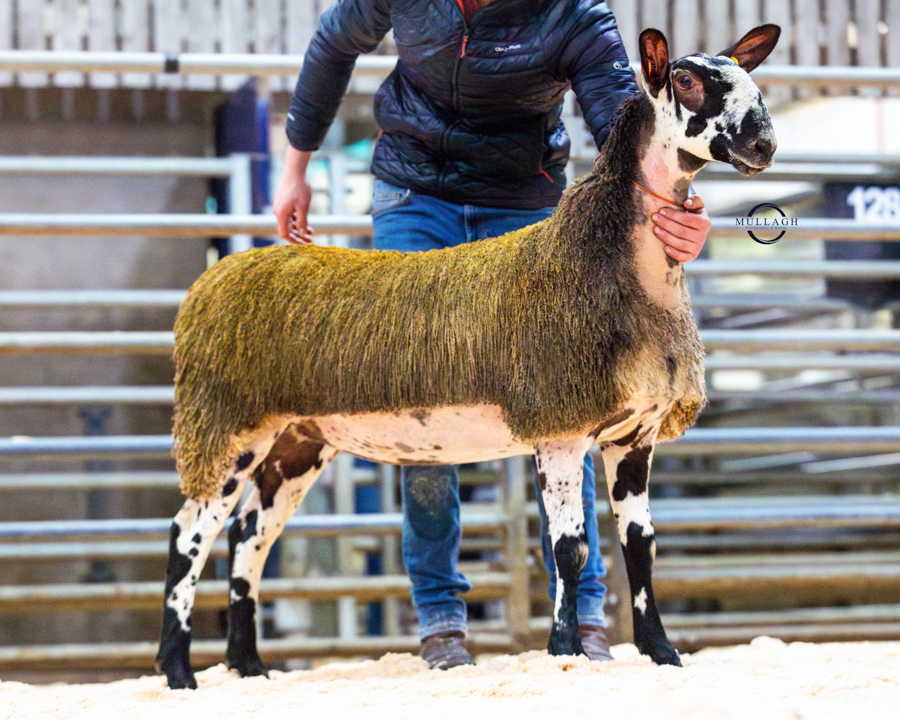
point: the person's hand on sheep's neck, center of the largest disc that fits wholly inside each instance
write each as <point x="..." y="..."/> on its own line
<point x="683" y="232"/>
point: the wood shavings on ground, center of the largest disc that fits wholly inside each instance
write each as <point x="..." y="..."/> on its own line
<point x="765" y="680"/>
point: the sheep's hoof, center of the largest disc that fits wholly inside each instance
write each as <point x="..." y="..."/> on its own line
<point x="179" y="677"/>
<point x="248" y="665"/>
<point x="661" y="652"/>
<point x="565" y="641"/>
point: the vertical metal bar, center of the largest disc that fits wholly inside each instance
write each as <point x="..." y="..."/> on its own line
<point x="98" y="499"/>
<point x="518" y="604"/>
<point x="337" y="191"/>
<point x="6" y="36"/>
<point x="387" y="479"/>
<point x="240" y="197"/>
<point x="344" y="505"/>
<point x="892" y="18"/>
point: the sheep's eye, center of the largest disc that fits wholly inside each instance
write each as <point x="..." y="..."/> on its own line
<point x="685" y="82"/>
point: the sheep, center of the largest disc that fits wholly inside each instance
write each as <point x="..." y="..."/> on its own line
<point x="575" y="331"/>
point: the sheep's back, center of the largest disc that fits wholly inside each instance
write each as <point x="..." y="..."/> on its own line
<point x="316" y="330"/>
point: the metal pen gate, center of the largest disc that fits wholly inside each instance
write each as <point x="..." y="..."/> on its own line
<point x="716" y="521"/>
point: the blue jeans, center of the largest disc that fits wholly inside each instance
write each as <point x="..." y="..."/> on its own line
<point x="409" y="221"/>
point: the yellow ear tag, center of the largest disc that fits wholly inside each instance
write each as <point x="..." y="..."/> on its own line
<point x="734" y="60"/>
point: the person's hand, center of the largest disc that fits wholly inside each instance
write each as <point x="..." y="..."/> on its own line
<point x="292" y="199"/>
<point x="683" y="231"/>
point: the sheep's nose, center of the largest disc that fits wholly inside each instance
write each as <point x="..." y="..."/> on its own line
<point x="765" y="146"/>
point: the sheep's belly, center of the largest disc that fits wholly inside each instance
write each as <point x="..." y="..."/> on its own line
<point x="448" y="435"/>
<point x="442" y="436"/>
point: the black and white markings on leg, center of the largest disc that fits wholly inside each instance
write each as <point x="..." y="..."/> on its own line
<point x="190" y="539"/>
<point x="560" y="466"/>
<point x="241" y="653"/>
<point x="627" y="469"/>
<point x="649" y="634"/>
<point x="193" y="532"/>
<point x="281" y="482"/>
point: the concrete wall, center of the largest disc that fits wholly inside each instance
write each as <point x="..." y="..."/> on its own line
<point x="36" y="263"/>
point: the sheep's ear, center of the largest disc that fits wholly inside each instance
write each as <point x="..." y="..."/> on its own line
<point x="754" y="47"/>
<point x="654" y="60"/>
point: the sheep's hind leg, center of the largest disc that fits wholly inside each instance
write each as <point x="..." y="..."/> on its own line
<point x="282" y="481"/>
<point x="627" y="465"/>
<point x="560" y="473"/>
<point x="190" y="539"/>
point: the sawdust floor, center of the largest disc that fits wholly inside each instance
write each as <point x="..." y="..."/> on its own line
<point x="765" y="680"/>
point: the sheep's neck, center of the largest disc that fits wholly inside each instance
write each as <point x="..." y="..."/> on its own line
<point x="660" y="171"/>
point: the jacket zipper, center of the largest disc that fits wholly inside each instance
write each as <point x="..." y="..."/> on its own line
<point x="453" y="84"/>
<point x="462" y="54"/>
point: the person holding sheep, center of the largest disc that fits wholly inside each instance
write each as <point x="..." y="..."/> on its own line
<point x="471" y="146"/>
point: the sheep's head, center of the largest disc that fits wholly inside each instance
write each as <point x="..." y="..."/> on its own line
<point x="707" y="106"/>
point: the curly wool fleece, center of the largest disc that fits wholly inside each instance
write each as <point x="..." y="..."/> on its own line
<point x="549" y="323"/>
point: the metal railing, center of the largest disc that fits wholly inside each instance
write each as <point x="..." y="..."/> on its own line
<point x="696" y="441"/>
<point x="845" y="78"/>
<point x="71" y="299"/>
<point x="221" y="167"/>
<point x="236" y="168"/>
<point x="142" y="538"/>
<point x="165" y="395"/>
<point x="194" y="225"/>
<point x="116" y="395"/>
<point x="162" y="342"/>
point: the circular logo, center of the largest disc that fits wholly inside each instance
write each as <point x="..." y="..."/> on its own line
<point x="772" y="240"/>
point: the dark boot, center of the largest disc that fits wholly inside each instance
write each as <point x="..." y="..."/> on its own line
<point x="445" y="650"/>
<point x="594" y="642"/>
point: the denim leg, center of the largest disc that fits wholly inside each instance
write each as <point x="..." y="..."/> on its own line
<point x="431" y="531"/>
<point x="590" y="589"/>
<point x="431" y="534"/>
<point x="483" y="222"/>
<point x="411" y="222"/>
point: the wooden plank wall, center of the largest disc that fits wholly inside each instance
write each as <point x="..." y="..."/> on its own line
<point x="834" y="32"/>
<point x="814" y="32"/>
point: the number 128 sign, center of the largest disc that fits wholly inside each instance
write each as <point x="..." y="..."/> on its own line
<point x="866" y="205"/>
<point x="875" y="205"/>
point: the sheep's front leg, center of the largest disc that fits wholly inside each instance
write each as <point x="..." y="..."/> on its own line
<point x="627" y="464"/>
<point x="560" y="471"/>
<point x="282" y="481"/>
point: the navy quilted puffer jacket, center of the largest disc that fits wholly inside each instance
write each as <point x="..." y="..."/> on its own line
<point x="471" y="114"/>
